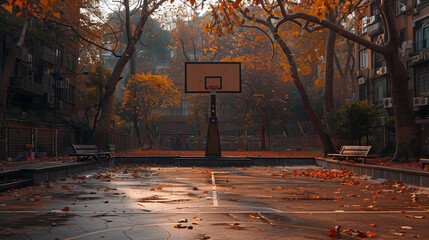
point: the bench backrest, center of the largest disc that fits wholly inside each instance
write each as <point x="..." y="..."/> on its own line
<point x="355" y="150"/>
<point x="85" y="148"/>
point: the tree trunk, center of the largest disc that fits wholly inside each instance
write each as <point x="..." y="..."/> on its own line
<point x="408" y="141"/>
<point x="7" y="70"/>
<point x="137" y="128"/>
<point x="328" y="89"/>
<point x="101" y="131"/>
<point x="246" y="144"/>
<point x="262" y="127"/>
<point x="328" y="147"/>
<point x="149" y="135"/>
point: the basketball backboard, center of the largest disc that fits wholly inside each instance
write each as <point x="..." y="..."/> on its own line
<point x="200" y="76"/>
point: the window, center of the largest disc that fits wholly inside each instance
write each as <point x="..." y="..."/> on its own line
<point x="363" y="59"/>
<point x="420" y="3"/>
<point x="70" y="62"/>
<point x="59" y="55"/>
<point x="363" y="92"/>
<point x="421" y="36"/>
<point x="400" y="6"/>
<point x="380" y="91"/>
<point x="401" y="36"/>
<point x="71" y="94"/>
<point x="364" y="28"/>
<point x="421" y="81"/>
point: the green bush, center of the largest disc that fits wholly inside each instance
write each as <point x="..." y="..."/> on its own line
<point x="353" y="121"/>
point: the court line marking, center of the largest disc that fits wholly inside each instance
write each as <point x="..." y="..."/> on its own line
<point x="220" y="212"/>
<point x="163" y="224"/>
<point x="215" y="201"/>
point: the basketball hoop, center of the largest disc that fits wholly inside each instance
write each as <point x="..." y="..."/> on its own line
<point x="213" y="89"/>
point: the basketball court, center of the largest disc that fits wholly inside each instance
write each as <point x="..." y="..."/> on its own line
<point x="134" y="202"/>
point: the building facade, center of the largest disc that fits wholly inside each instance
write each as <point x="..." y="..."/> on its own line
<point x="43" y="83"/>
<point x="412" y="19"/>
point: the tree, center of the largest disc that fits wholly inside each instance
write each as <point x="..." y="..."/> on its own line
<point x="408" y="143"/>
<point x="94" y="91"/>
<point x="353" y="121"/>
<point x="133" y="34"/>
<point x="147" y="95"/>
<point x="256" y="15"/>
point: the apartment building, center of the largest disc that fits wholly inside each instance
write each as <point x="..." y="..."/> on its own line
<point x="43" y="83"/>
<point x="412" y="19"/>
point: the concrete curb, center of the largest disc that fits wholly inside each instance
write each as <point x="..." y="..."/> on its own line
<point x="38" y="174"/>
<point x="414" y="177"/>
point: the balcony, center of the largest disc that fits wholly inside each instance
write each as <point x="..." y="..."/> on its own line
<point x="25" y="84"/>
<point x="48" y="55"/>
<point x="375" y="29"/>
<point x="419" y="4"/>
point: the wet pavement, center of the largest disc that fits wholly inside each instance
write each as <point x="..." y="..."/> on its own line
<point x="139" y="202"/>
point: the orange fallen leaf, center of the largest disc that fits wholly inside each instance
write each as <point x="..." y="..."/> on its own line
<point x="65" y="209"/>
<point x="373" y="225"/>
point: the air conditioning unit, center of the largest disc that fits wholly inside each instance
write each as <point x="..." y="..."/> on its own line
<point x="371" y="19"/>
<point x="361" y="80"/>
<point x="424" y="101"/>
<point x="415" y="58"/>
<point x="426" y="56"/>
<point x="383" y="70"/>
<point x="409" y="44"/>
<point x="380" y="39"/>
<point x="387" y="102"/>
<point x="416" y="101"/>
<point x="67" y="83"/>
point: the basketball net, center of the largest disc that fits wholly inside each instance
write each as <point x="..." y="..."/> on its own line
<point x="213" y="89"/>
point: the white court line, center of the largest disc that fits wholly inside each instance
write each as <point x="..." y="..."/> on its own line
<point x="215" y="202"/>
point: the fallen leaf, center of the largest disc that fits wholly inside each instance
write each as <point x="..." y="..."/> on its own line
<point x="407" y="227"/>
<point x="65" y="209"/>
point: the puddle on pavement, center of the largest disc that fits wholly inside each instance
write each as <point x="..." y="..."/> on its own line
<point x="87" y="198"/>
<point x="159" y="199"/>
<point x="235" y="226"/>
<point x="19" y="221"/>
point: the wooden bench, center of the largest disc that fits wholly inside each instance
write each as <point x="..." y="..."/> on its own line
<point x="424" y="162"/>
<point x="88" y="152"/>
<point x="353" y="153"/>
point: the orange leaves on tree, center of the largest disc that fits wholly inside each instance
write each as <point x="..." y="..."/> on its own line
<point x="236" y="3"/>
<point x="9" y="8"/>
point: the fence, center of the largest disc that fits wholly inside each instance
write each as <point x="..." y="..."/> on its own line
<point x="48" y="140"/>
<point x="273" y="143"/>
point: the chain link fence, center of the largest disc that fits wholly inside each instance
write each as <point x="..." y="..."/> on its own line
<point x="51" y="140"/>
